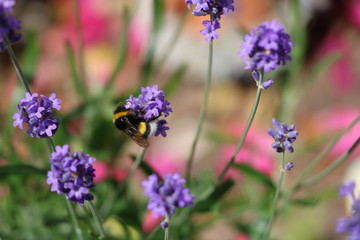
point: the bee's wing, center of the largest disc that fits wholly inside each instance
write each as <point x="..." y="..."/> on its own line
<point x="135" y="135"/>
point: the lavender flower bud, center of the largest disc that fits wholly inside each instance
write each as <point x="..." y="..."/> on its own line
<point x="350" y="225"/>
<point x="8" y="24"/>
<point x="36" y="111"/>
<point x="214" y="8"/>
<point x="168" y="195"/>
<point x="267" y="47"/>
<point x="71" y="174"/>
<point x="283" y="138"/>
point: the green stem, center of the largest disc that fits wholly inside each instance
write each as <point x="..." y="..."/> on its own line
<point x="74" y="219"/>
<point x="202" y="115"/>
<point x="16" y="64"/>
<point x="247" y="127"/>
<point x="277" y="193"/>
<point x="166" y="236"/>
<point x="80" y="40"/>
<point x="331" y="167"/>
<point x="322" y="154"/>
<point x="97" y="219"/>
<point x="50" y="141"/>
<point x="136" y="164"/>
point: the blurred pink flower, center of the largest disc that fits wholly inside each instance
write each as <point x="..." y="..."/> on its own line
<point x="242" y="237"/>
<point x="256" y="152"/>
<point x="104" y="171"/>
<point x="138" y="38"/>
<point x="94" y="24"/>
<point x="337" y="120"/>
<point x="352" y="13"/>
<point x="164" y="162"/>
<point x="341" y="74"/>
<point x="101" y="171"/>
<point x="119" y="175"/>
<point x="150" y="222"/>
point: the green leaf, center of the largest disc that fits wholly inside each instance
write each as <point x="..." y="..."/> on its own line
<point x="20" y="169"/>
<point x="30" y="56"/>
<point x="158" y="15"/>
<point x="121" y="53"/>
<point x="323" y="65"/>
<point x="260" y="177"/>
<point x="175" y="79"/>
<point x="305" y="202"/>
<point x="206" y="204"/>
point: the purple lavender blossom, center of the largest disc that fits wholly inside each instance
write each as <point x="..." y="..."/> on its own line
<point x="37" y="113"/>
<point x="213" y="8"/>
<point x="165" y="196"/>
<point x="283" y="135"/>
<point x="71" y="174"/>
<point x="7" y="4"/>
<point x="268" y="46"/>
<point x="267" y="83"/>
<point x="289" y="166"/>
<point x="8" y="24"/>
<point x="350" y="225"/>
<point x="150" y="105"/>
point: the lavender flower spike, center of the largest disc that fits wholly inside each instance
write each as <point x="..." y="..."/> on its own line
<point x="8" y="24"/>
<point x="213" y="8"/>
<point x="283" y="135"/>
<point x="268" y="46"/>
<point x="150" y="105"/>
<point x="350" y="225"/>
<point x="37" y="112"/>
<point x="168" y="195"/>
<point x="71" y="174"/>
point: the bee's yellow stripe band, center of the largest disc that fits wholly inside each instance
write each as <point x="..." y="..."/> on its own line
<point x="142" y="127"/>
<point x="119" y="115"/>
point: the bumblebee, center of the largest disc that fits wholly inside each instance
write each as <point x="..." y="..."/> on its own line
<point x="134" y="125"/>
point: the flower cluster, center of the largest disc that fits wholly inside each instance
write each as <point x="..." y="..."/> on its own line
<point x="71" y="174"/>
<point x="350" y="225"/>
<point x="168" y="195"/>
<point x="267" y="47"/>
<point x="214" y="8"/>
<point x="283" y="135"/>
<point x="7" y="4"/>
<point x="150" y="105"/>
<point x="37" y="113"/>
<point x="8" y="24"/>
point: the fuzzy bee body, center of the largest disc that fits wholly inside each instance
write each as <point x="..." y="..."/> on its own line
<point x="134" y="125"/>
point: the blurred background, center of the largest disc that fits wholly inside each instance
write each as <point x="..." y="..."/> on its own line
<point x="124" y="43"/>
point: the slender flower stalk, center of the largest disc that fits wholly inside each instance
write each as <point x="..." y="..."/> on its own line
<point x="17" y="67"/>
<point x="247" y="127"/>
<point x="276" y="198"/>
<point x="74" y="220"/>
<point x="135" y="166"/>
<point x="97" y="219"/>
<point x="80" y="39"/>
<point x="202" y="115"/>
<point x="167" y="227"/>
